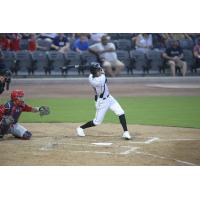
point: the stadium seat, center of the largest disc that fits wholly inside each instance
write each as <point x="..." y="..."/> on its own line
<point x="114" y="36"/>
<point x="127" y="36"/>
<point x="44" y="44"/>
<point x="23" y="44"/>
<point x="186" y="44"/>
<point x="39" y="60"/>
<point x="9" y="60"/>
<point x="125" y="58"/>
<point x="123" y="44"/>
<point x="154" y="60"/>
<point x="189" y="58"/>
<point x="55" y="61"/>
<point x="138" y="60"/>
<point x="86" y="59"/>
<point x="72" y="60"/>
<point x="23" y="62"/>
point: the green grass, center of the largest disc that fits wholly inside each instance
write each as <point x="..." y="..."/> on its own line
<point x="166" y="111"/>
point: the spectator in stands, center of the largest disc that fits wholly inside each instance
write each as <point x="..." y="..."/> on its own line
<point x="25" y="36"/>
<point x="4" y="42"/>
<point x="2" y="65"/>
<point x="96" y="37"/>
<point x="50" y="36"/>
<point x="194" y="36"/>
<point x="196" y="52"/>
<point x="179" y="36"/>
<point x="174" y="58"/>
<point x="14" y="43"/>
<point x="32" y="44"/>
<point x="106" y="53"/>
<point x="60" y="43"/>
<point x="144" y="42"/>
<point x="158" y="41"/>
<point x="81" y="44"/>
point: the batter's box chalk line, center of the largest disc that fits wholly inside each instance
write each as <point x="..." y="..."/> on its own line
<point x="148" y="141"/>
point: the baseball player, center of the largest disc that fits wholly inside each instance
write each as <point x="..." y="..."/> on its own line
<point x="5" y="79"/>
<point x="10" y="114"/>
<point x="104" y="101"/>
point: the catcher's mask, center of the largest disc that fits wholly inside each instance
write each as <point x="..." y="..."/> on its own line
<point x="6" y="73"/>
<point x="18" y="97"/>
<point x="94" y="68"/>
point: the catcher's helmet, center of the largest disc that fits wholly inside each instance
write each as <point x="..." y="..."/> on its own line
<point x="17" y="95"/>
<point x="94" y="67"/>
<point x="5" y="72"/>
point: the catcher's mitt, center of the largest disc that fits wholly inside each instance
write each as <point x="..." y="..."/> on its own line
<point x="44" y="110"/>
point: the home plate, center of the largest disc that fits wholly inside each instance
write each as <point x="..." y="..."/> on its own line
<point x="103" y="143"/>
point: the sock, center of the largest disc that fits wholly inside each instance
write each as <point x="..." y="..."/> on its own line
<point x="122" y="120"/>
<point x="88" y="125"/>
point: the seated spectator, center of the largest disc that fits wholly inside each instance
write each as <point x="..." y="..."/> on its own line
<point x="196" y="52"/>
<point x="4" y="42"/>
<point x="32" y="44"/>
<point x="144" y="42"/>
<point x="158" y="41"/>
<point x="50" y="36"/>
<point x="106" y="53"/>
<point x="2" y="65"/>
<point x="174" y="57"/>
<point x="96" y="37"/>
<point x="81" y="44"/>
<point x="25" y="36"/>
<point x="179" y="36"/>
<point x="14" y="43"/>
<point x="60" y="43"/>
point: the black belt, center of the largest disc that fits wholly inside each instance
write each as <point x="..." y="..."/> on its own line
<point x="105" y="97"/>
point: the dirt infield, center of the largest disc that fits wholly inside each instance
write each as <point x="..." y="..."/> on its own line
<point x="56" y="144"/>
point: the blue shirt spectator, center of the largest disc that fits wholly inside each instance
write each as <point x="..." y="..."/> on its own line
<point x="81" y="44"/>
<point x="60" y="43"/>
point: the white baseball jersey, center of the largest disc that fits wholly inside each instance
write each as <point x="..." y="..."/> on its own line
<point x="105" y="101"/>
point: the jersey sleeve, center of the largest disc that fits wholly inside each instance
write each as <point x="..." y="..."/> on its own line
<point x="97" y="81"/>
<point x="111" y="45"/>
<point x="27" y="108"/>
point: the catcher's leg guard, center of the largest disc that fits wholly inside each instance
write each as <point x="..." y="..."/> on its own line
<point x="27" y="135"/>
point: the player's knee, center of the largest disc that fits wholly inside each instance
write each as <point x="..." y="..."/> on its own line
<point x="27" y="135"/>
<point x="120" y="112"/>
<point x="97" y="122"/>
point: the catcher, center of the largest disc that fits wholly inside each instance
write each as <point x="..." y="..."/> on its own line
<point x="10" y="114"/>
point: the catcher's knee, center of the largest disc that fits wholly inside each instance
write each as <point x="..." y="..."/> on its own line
<point x="27" y="135"/>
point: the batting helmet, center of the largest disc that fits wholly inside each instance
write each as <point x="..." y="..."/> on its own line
<point x="94" y="67"/>
<point x="17" y="94"/>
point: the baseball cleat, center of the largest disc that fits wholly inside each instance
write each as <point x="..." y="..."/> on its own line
<point x="126" y="135"/>
<point x="80" y="132"/>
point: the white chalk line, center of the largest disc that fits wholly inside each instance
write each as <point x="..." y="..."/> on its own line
<point x="96" y="152"/>
<point x="165" y="158"/>
<point x="131" y="150"/>
<point x="179" y="139"/>
<point x="149" y="141"/>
